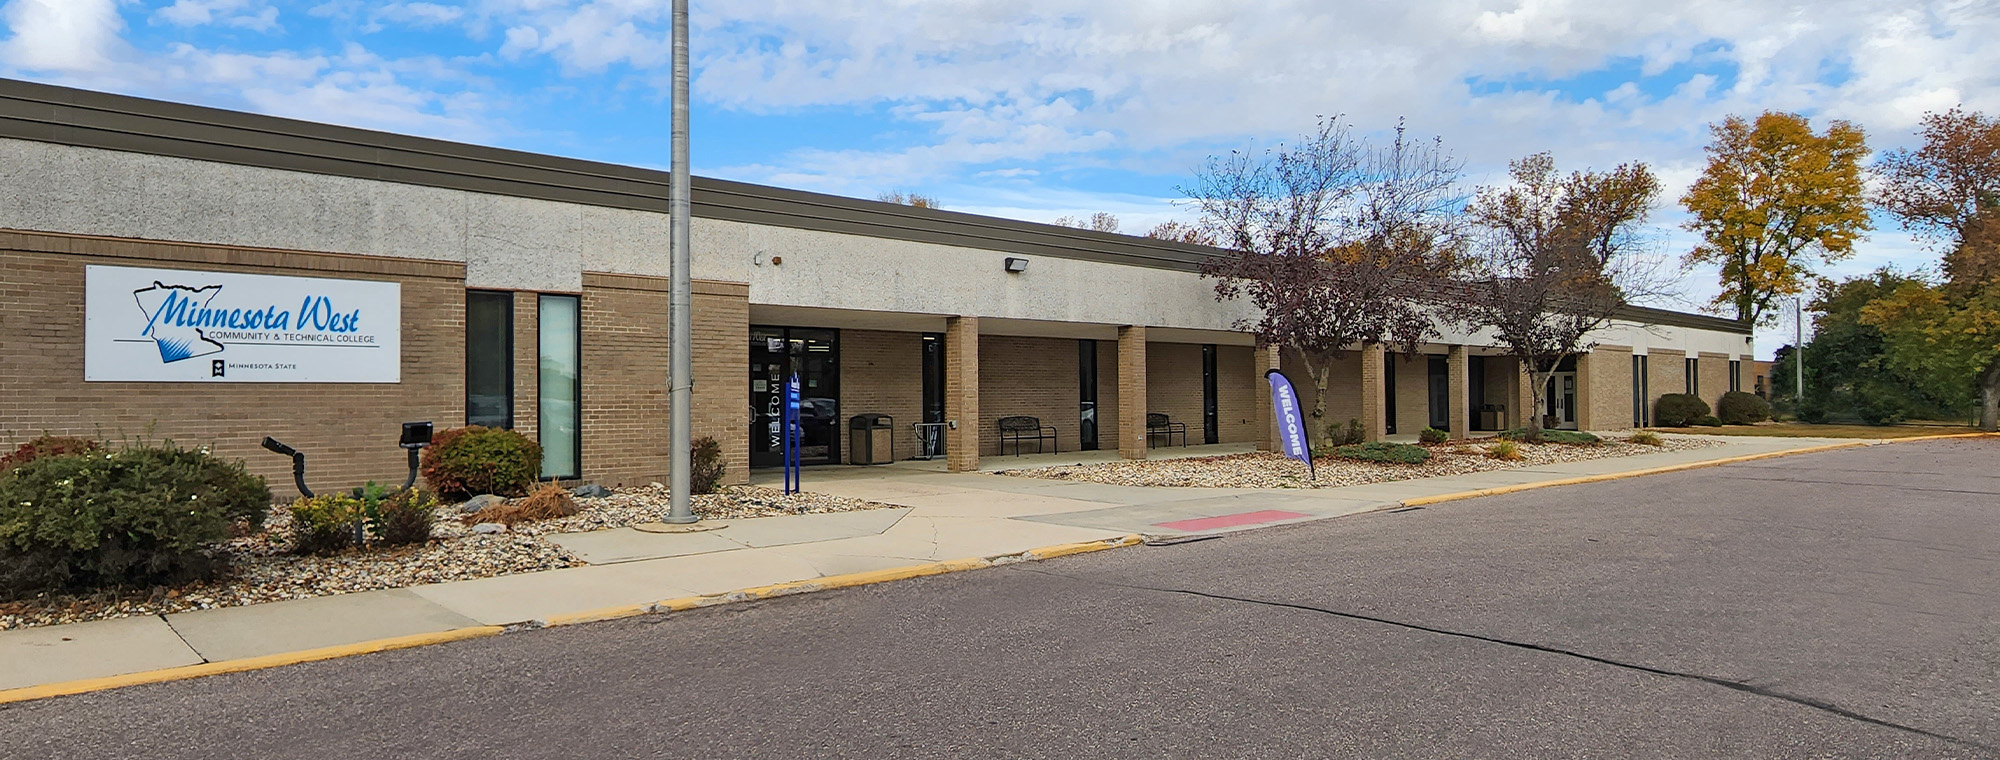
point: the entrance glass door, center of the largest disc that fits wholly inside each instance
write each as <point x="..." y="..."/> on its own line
<point x="776" y="353"/>
<point x="1561" y="412"/>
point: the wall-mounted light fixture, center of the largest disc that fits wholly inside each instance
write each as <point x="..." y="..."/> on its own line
<point x="1017" y="265"/>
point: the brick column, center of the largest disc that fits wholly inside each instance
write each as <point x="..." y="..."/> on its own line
<point x="1267" y="358"/>
<point x="1457" y="383"/>
<point x="961" y="394"/>
<point x="1586" y="377"/>
<point x="1132" y="392"/>
<point x="1374" y="401"/>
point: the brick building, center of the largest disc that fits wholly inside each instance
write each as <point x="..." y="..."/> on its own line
<point x="529" y="291"/>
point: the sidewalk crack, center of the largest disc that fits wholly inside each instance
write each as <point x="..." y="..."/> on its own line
<point x="184" y="641"/>
<point x="1803" y="701"/>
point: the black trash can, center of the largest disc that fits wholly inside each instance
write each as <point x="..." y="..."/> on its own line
<point x="871" y="439"/>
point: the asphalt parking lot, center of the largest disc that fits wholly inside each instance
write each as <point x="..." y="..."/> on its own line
<point x="1837" y="604"/>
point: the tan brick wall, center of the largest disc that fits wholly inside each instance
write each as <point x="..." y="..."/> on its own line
<point x="1610" y="387"/>
<point x="962" y="400"/>
<point x="1107" y="395"/>
<point x="882" y="373"/>
<point x="625" y="362"/>
<point x="1457" y="376"/>
<point x="1374" y="397"/>
<point x="1173" y="387"/>
<point x="1036" y="377"/>
<point x="1714" y="377"/>
<point x="1413" y="391"/>
<point x="348" y="430"/>
<point x="1239" y="382"/>
<point x="527" y="378"/>
<point x="1667" y="374"/>
<point x="1266" y="420"/>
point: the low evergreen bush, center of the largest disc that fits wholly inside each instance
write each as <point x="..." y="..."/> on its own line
<point x="1739" y="408"/>
<point x="139" y="516"/>
<point x="1708" y="420"/>
<point x="1383" y="451"/>
<point x="1433" y="435"/>
<point x="405" y="516"/>
<point x="1679" y="410"/>
<point x="468" y="461"/>
<point x="1350" y="435"/>
<point x="709" y="468"/>
<point x="1550" y="435"/>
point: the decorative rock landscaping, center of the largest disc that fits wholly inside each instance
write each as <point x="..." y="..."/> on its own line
<point x="264" y="569"/>
<point x="1270" y="470"/>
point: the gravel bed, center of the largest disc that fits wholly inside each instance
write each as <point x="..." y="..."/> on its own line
<point x="1270" y="470"/>
<point x="265" y="570"/>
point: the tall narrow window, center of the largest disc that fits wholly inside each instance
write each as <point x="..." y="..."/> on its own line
<point x="1642" y="408"/>
<point x="1086" y="394"/>
<point x="1693" y="376"/>
<point x="489" y="358"/>
<point x="1735" y="375"/>
<point x="1211" y="416"/>
<point x="560" y="357"/>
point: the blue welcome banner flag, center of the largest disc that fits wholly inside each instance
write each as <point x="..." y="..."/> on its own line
<point x="1291" y="421"/>
<point x="793" y="436"/>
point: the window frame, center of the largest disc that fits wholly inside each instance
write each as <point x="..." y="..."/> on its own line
<point x="542" y="426"/>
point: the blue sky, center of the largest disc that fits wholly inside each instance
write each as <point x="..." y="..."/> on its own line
<point x="1036" y="109"/>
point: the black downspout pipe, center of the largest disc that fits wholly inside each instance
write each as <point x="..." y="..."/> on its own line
<point x="299" y="463"/>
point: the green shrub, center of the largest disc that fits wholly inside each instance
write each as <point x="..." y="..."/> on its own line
<point x="1679" y="410"/>
<point x="1433" y="435"/>
<point x="1383" y="451"/>
<point x="405" y="516"/>
<point x="1708" y="420"/>
<point x="1877" y="408"/>
<point x="1505" y="450"/>
<point x="709" y="468"/>
<point x="47" y="446"/>
<point x="1739" y="408"/>
<point x="325" y="524"/>
<point x="468" y="461"/>
<point x="1647" y="438"/>
<point x="1550" y="435"/>
<point x="139" y="516"/>
<point x="1812" y="412"/>
<point x="1350" y="435"/>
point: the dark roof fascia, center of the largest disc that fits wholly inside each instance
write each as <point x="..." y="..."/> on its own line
<point x="1652" y="316"/>
<point x="62" y="115"/>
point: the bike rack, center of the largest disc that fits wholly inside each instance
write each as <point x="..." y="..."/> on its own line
<point x="416" y="436"/>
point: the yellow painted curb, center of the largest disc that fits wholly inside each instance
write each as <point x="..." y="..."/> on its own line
<point x="185" y="672"/>
<point x="1081" y="547"/>
<point x="1939" y="437"/>
<point x="1518" y="487"/>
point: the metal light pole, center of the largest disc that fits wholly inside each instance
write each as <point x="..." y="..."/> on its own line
<point x="680" y="330"/>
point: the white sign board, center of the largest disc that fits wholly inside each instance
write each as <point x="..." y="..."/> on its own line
<point x="177" y="325"/>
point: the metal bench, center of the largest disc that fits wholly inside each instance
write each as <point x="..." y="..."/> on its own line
<point x="1022" y="428"/>
<point x="1158" y="424"/>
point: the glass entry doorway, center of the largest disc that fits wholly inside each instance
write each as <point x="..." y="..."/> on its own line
<point x="776" y="353"/>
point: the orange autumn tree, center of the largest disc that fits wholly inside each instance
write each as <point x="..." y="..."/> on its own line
<point x="1774" y="198"/>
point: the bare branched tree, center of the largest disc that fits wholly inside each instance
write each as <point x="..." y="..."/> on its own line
<point x="1100" y="222"/>
<point x="1181" y="233"/>
<point x="1335" y="242"/>
<point x="1554" y="258"/>
<point x="901" y="198"/>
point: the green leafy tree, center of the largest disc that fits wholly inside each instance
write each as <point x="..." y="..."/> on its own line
<point x="1775" y="199"/>
<point x="1948" y="190"/>
<point x="1847" y="363"/>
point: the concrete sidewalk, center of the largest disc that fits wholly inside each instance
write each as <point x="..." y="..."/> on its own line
<point x="938" y="516"/>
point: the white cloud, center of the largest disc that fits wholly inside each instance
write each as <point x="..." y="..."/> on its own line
<point x="255" y="15"/>
<point x="62" y="36"/>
